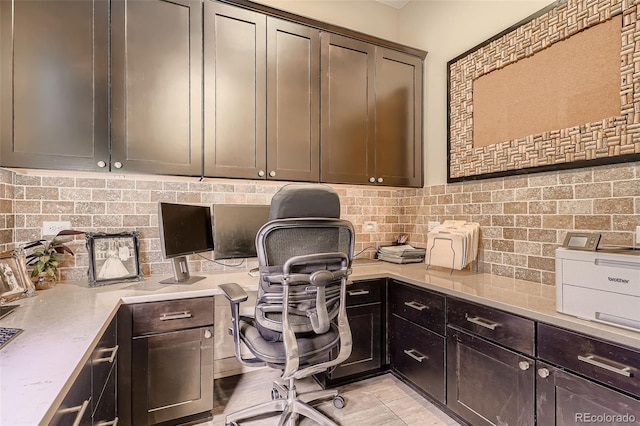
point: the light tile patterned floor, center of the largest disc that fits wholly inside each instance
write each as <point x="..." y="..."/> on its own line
<point x="379" y="401"/>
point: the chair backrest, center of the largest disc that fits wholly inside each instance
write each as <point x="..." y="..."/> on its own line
<point x="304" y="221"/>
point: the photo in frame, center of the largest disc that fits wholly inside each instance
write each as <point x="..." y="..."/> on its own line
<point x="14" y="279"/>
<point x="113" y="258"/>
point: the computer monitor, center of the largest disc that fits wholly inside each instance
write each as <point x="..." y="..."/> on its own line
<point x="184" y="229"/>
<point x="235" y="227"/>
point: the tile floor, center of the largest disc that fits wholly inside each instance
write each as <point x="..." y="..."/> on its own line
<point x="379" y="401"/>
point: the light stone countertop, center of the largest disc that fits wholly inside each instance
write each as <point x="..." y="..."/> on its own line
<point x="62" y="325"/>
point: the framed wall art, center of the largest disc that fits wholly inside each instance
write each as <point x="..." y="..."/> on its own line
<point x="14" y="279"/>
<point x="555" y="91"/>
<point x="113" y="258"/>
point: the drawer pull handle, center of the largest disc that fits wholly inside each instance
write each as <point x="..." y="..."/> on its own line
<point x="590" y="359"/>
<point x="417" y="306"/>
<point x="109" y="358"/>
<point x="80" y="409"/>
<point x="483" y="322"/>
<point x="357" y="292"/>
<point x="415" y="355"/>
<point x="175" y="315"/>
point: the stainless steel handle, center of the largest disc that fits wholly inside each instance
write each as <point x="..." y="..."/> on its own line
<point x="590" y="359"/>
<point x="109" y="358"/>
<point x="543" y="372"/>
<point x="102" y="164"/>
<point x="175" y="315"/>
<point x="372" y="179"/>
<point x="357" y="292"/>
<point x="80" y="409"/>
<point x="524" y="365"/>
<point x="380" y="180"/>
<point x="483" y="322"/>
<point x="417" y="306"/>
<point x="113" y="422"/>
<point x="272" y="173"/>
<point x="415" y="355"/>
<point x="117" y="165"/>
<point x="261" y="173"/>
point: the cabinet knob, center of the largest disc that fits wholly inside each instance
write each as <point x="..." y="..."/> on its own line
<point x="272" y="173"/>
<point x="543" y="372"/>
<point x="102" y="164"/>
<point x="524" y="365"/>
<point x="117" y="165"/>
<point x="380" y="180"/>
<point x="261" y="173"/>
<point x="207" y="334"/>
<point x="372" y="179"/>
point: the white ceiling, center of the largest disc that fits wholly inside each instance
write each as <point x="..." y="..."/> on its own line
<point x="398" y="4"/>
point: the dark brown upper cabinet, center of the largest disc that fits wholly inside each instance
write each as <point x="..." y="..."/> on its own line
<point x="54" y="59"/>
<point x="371" y="114"/>
<point x="156" y="67"/>
<point x="261" y="96"/>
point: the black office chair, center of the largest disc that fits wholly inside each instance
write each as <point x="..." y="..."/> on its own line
<point x="304" y="255"/>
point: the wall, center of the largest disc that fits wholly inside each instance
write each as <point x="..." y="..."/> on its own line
<point x="447" y="29"/>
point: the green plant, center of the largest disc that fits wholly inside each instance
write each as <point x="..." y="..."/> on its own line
<point x="46" y="255"/>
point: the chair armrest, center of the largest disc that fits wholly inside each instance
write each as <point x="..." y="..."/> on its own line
<point x="233" y="292"/>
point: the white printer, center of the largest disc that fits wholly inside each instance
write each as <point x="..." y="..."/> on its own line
<point x="602" y="285"/>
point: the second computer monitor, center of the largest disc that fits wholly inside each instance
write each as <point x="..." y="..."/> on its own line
<point x="235" y="227"/>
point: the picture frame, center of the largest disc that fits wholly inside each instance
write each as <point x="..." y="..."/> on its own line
<point x="15" y="282"/>
<point x="113" y="258"/>
<point x="601" y="140"/>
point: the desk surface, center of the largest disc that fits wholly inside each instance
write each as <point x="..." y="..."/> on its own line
<point x="62" y="325"/>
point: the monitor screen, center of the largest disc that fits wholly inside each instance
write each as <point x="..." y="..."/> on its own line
<point x="184" y="229"/>
<point x="235" y="227"/>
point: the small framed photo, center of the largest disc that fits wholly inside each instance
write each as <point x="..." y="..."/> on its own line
<point x="14" y="279"/>
<point x="113" y="258"/>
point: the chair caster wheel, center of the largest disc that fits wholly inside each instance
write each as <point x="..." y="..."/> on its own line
<point x="275" y="394"/>
<point x="339" y="401"/>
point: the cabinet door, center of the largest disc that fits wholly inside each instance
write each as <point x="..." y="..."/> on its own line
<point x="487" y="384"/>
<point x="293" y="101"/>
<point x="348" y="110"/>
<point x="565" y="399"/>
<point x="398" y="118"/>
<point x="172" y="375"/>
<point x="235" y="92"/>
<point x="365" y="322"/>
<point x="156" y="63"/>
<point x="54" y="83"/>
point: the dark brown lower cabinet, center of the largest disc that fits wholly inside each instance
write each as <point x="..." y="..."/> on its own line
<point x="488" y="384"/>
<point x="565" y="399"/>
<point x="417" y="355"/>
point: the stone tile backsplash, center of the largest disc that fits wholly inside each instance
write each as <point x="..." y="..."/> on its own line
<point x="523" y="218"/>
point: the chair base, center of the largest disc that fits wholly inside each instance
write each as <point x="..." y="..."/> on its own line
<point x="291" y="404"/>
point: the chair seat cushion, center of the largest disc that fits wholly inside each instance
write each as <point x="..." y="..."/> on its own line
<point x="310" y="347"/>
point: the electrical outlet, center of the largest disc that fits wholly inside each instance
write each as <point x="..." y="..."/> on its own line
<point x="638" y="235"/>
<point x="370" y="226"/>
<point x="432" y="225"/>
<point x="52" y="228"/>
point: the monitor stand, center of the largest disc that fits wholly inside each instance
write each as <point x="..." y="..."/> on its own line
<point x="181" y="272"/>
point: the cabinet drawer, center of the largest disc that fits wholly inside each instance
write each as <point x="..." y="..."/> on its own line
<point x="422" y="307"/>
<point x="362" y="292"/>
<point x="75" y="408"/>
<point x="103" y="358"/>
<point x="418" y="355"/>
<point x="157" y="317"/>
<point x="105" y="412"/>
<point x="605" y="362"/>
<point x="501" y="327"/>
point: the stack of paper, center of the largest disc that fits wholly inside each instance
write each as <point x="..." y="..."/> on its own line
<point x="403" y="253"/>
<point x="454" y="244"/>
